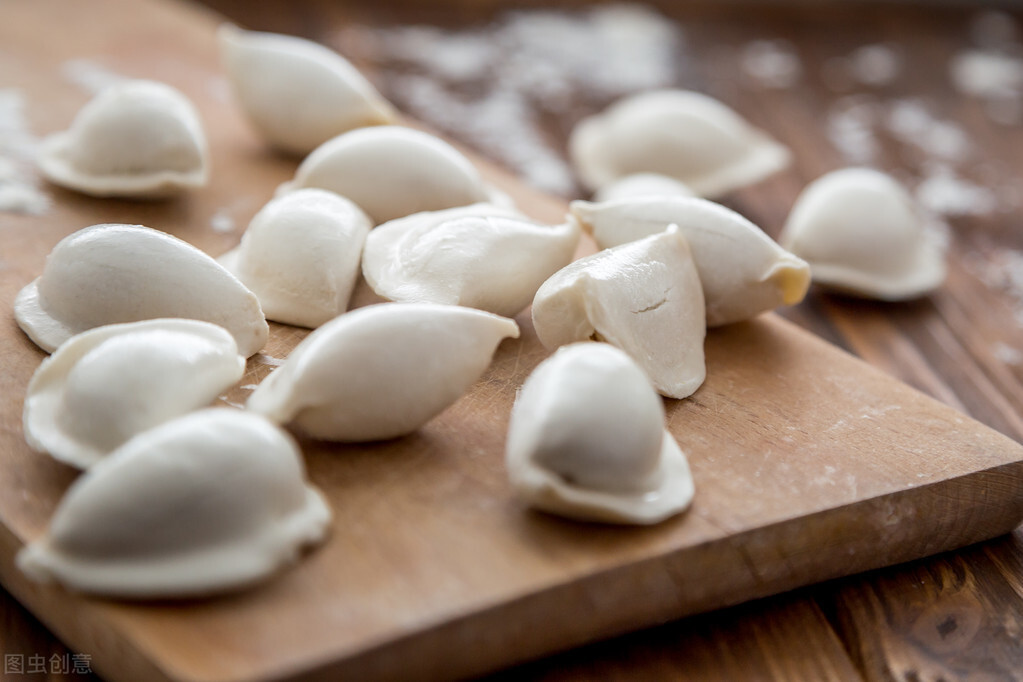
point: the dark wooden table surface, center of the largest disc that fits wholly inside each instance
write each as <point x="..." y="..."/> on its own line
<point x="894" y="106"/>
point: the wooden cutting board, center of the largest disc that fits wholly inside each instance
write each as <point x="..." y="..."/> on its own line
<point x="808" y="463"/>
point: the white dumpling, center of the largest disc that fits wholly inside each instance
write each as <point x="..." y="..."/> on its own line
<point x="862" y="233"/>
<point x="106" y="274"/>
<point x="642" y="185"/>
<point x="382" y="371"/>
<point x="478" y="256"/>
<point x="136" y="138"/>
<point x="391" y="172"/>
<point x="210" y="502"/>
<point x="298" y="93"/>
<point x="108" y="384"/>
<point x="685" y="135"/>
<point x="587" y="440"/>
<point x="300" y="256"/>
<point x="643" y="297"/>
<point x="742" y="270"/>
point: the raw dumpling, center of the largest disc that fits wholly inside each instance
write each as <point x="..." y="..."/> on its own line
<point x="108" y="384"/>
<point x="299" y="94"/>
<point x="211" y="502"/>
<point x="382" y="371"/>
<point x="742" y="270"/>
<point x="137" y="138"/>
<point x="478" y="256"/>
<point x="391" y="172"/>
<point x="861" y="233"/>
<point x="300" y="256"/>
<point x="642" y="185"/>
<point x="643" y="297"/>
<point x="685" y="135"/>
<point x="113" y="273"/>
<point x="587" y="440"/>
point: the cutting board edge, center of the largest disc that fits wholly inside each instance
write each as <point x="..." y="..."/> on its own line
<point x="451" y="638"/>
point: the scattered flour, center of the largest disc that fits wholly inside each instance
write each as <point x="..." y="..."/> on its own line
<point x="1008" y="355"/>
<point x="1001" y="271"/>
<point x="911" y="122"/>
<point x="993" y="72"/>
<point x="875" y="65"/>
<point x="771" y="63"/>
<point x="264" y="359"/>
<point x="91" y="76"/>
<point x="526" y="64"/>
<point x="850" y="129"/>
<point x="222" y="221"/>
<point x="19" y="187"/>
<point x="943" y="192"/>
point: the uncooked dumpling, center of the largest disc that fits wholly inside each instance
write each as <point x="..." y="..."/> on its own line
<point x="587" y="440"/>
<point x="642" y="185"/>
<point x="643" y="297"/>
<point x="391" y="172"/>
<point x="742" y="270"/>
<point x="106" y="274"/>
<point x="478" y="256"/>
<point x="300" y="256"/>
<point x="382" y="371"/>
<point x="685" y="135"/>
<point x="211" y="502"/>
<point x="111" y="383"/>
<point x="298" y="93"/>
<point x="861" y="233"/>
<point x="137" y="138"/>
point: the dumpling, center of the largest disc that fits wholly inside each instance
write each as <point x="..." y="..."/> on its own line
<point x="211" y="502"/>
<point x="478" y="256"/>
<point x="862" y="234"/>
<point x="742" y="270"/>
<point x="299" y="94"/>
<point x="587" y="441"/>
<point x="642" y="185"/>
<point x="300" y="256"/>
<point x="382" y="371"/>
<point x="685" y="135"/>
<point x="113" y="273"/>
<point x="391" y="172"/>
<point x="108" y="384"/>
<point x="136" y="138"/>
<point x="643" y="297"/>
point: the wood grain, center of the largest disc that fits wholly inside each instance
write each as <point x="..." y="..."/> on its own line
<point x="375" y="482"/>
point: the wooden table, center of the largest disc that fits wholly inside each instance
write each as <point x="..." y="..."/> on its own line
<point x="954" y="616"/>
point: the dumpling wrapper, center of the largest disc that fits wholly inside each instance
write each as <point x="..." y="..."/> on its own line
<point x="587" y="440"/>
<point x="211" y="502"/>
<point x="643" y="297"/>
<point x="685" y="135"/>
<point x="298" y="93"/>
<point x="482" y="257"/>
<point x="392" y="172"/>
<point x="382" y="371"/>
<point x="642" y="185"/>
<point x="109" y="384"/>
<point x="136" y="138"/>
<point x="742" y="270"/>
<point x="107" y="274"/>
<point x="300" y="256"/>
<point x="862" y="234"/>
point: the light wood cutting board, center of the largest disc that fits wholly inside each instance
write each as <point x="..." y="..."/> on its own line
<point x="808" y="463"/>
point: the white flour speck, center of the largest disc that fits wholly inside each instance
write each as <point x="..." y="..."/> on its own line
<point x="222" y="222"/>
<point x="850" y="129"/>
<point x="264" y="359"/>
<point x="875" y="65"/>
<point x="1008" y="355"/>
<point x="771" y="63"/>
<point x="944" y="192"/>
<point x="19" y="187"/>
<point x="89" y="75"/>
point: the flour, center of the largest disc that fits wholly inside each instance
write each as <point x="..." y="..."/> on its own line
<point x="850" y="129"/>
<point x="771" y="63"/>
<point x="875" y="65"/>
<point x="91" y="76"/>
<point x="1001" y="271"/>
<point x="222" y="222"/>
<point x="19" y="187"/>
